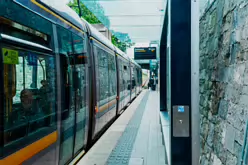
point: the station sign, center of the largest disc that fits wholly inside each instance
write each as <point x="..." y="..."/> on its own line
<point x="148" y="53"/>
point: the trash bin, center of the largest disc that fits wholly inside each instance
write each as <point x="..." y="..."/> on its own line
<point x="153" y="87"/>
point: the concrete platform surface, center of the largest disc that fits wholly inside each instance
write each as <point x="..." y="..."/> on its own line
<point x="135" y="138"/>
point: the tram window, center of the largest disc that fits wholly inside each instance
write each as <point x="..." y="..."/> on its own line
<point x="112" y="75"/>
<point x="78" y="44"/>
<point x="79" y="55"/>
<point x="103" y="76"/>
<point x="15" y="29"/>
<point x="29" y="98"/>
<point x="64" y="38"/>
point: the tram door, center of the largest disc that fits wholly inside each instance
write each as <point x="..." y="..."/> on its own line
<point x="74" y="106"/>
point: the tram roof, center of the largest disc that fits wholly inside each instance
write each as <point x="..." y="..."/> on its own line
<point x="99" y="36"/>
<point x="64" y="11"/>
<point x="118" y="51"/>
<point x="134" y="62"/>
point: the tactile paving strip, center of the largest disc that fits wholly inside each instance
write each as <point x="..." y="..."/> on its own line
<point x="122" y="151"/>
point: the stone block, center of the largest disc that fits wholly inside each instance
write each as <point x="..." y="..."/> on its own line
<point x="220" y="152"/>
<point x="231" y="159"/>
<point x="229" y="138"/>
<point x="233" y="92"/>
<point x="235" y="50"/>
<point x="239" y="73"/>
<point x="202" y="100"/>
<point x="222" y="75"/>
<point x="204" y="111"/>
<point x="239" y="136"/>
<point x="243" y="56"/>
<point x="220" y="126"/>
<point x="245" y="90"/>
<point x="207" y="150"/>
<point x="245" y="78"/>
<point x="203" y="74"/>
<point x="212" y="22"/>
<point x="204" y="160"/>
<point x="223" y="109"/>
<point x="228" y="7"/>
<point x="235" y="116"/>
<point x="237" y="36"/>
<point x="210" y="135"/>
<point x="244" y="100"/>
<point x="237" y="149"/>
<point x="204" y="130"/>
<point x="216" y="161"/>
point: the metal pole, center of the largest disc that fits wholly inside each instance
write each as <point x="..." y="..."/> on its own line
<point x="79" y="7"/>
<point x="195" y="116"/>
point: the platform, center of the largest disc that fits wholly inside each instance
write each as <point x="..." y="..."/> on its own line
<point x="135" y="138"/>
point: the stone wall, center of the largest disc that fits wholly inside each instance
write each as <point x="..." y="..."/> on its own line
<point x="204" y="5"/>
<point x="223" y="81"/>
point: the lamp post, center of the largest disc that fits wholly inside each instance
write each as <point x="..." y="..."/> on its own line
<point x="79" y="7"/>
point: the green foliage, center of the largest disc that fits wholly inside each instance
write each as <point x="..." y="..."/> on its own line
<point x="121" y="45"/>
<point x="86" y="13"/>
<point x="99" y="19"/>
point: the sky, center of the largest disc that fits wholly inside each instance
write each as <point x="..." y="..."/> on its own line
<point x="141" y="19"/>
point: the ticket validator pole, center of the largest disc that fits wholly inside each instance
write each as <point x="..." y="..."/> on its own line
<point x="183" y="79"/>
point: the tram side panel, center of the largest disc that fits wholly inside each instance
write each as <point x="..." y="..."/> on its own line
<point x="124" y="82"/>
<point x="132" y="81"/>
<point x="112" y="91"/>
<point x="140" y="79"/>
<point x="137" y="81"/>
<point x="120" y="84"/>
<point x="106" y="86"/>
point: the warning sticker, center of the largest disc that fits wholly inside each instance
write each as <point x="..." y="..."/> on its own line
<point x="10" y="56"/>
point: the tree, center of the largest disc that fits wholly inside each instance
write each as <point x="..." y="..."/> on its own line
<point x="122" y="45"/>
<point x="122" y="40"/>
<point x="98" y="19"/>
<point x="86" y="13"/>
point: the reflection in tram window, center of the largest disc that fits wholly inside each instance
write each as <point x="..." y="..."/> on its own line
<point x="106" y="79"/>
<point x="102" y="58"/>
<point x="29" y="98"/>
<point x="112" y="77"/>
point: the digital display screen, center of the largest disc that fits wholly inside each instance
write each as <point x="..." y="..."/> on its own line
<point x="148" y="53"/>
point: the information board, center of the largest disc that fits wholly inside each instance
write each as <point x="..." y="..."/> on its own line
<point x="148" y="53"/>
